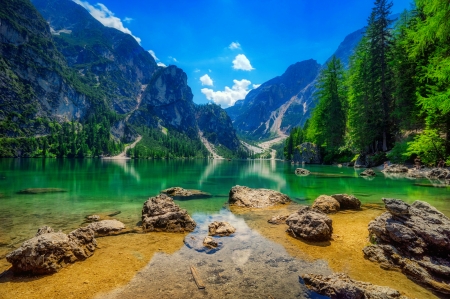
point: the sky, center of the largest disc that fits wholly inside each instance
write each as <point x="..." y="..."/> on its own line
<point x="228" y="47"/>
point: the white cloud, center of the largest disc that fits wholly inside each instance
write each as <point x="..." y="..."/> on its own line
<point x="153" y="54"/>
<point x="174" y="59"/>
<point x="229" y="96"/>
<point x="196" y="71"/>
<point x="234" y="46"/>
<point x="106" y="17"/>
<point x="206" y="80"/>
<point x="128" y="20"/>
<point x="255" y="86"/>
<point x="161" y="64"/>
<point x="241" y="62"/>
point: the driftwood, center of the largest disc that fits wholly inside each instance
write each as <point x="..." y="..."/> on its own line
<point x="197" y="278"/>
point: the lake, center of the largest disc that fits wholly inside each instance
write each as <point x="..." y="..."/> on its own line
<point x="104" y="187"/>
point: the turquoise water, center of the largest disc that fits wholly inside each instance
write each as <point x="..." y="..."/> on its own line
<point x="102" y="187"/>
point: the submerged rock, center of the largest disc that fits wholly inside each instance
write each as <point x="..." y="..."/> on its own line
<point x="220" y="229"/>
<point x="44" y="230"/>
<point x="310" y="225"/>
<point x="340" y="285"/>
<point x="256" y="198"/>
<point x="326" y="204"/>
<point x="278" y="219"/>
<point x="347" y="201"/>
<point x="368" y="173"/>
<point x="41" y="190"/>
<point x="209" y="242"/>
<point x="302" y="171"/>
<point x="180" y="193"/>
<point x="93" y="218"/>
<point x="49" y="252"/>
<point x="106" y="227"/>
<point x="160" y="213"/>
<point x="415" y="239"/>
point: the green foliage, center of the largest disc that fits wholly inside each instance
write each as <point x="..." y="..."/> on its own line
<point x="296" y="137"/>
<point x="398" y="153"/>
<point x="377" y="158"/>
<point x="429" y="146"/>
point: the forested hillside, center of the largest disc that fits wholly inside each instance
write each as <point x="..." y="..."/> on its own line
<point x="395" y="96"/>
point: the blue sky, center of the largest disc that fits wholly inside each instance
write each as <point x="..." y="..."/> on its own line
<point x="228" y="47"/>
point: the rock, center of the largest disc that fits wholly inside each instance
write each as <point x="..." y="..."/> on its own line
<point x="220" y="229"/>
<point x="160" y="213"/>
<point x="93" y="218"/>
<point x="256" y="198"/>
<point x="416" y="173"/>
<point x="278" y="219"/>
<point x="210" y="242"/>
<point x="340" y="285"/>
<point x="395" y="168"/>
<point x="347" y="201"/>
<point x="326" y="204"/>
<point x="41" y="190"/>
<point x="307" y="152"/>
<point x="106" y="227"/>
<point x="368" y="173"/>
<point x="441" y="174"/>
<point x="49" y="252"/>
<point x="302" y="171"/>
<point x="44" y="230"/>
<point x="310" y="225"/>
<point x="415" y="239"/>
<point x="180" y="193"/>
<point x="361" y="162"/>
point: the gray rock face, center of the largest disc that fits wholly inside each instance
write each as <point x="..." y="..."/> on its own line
<point x="441" y="174"/>
<point x="180" y="193"/>
<point x="160" y="213"/>
<point x="414" y="238"/>
<point x="302" y="171"/>
<point x="49" y="252"/>
<point x="326" y="204"/>
<point x="307" y="152"/>
<point x="310" y="225"/>
<point x="106" y="227"/>
<point x="256" y="198"/>
<point x="340" y="285"/>
<point x="368" y="173"/>
<point x="347" y="201"/>
<point x="362" y="161"/>
<point x="220" y="229"/>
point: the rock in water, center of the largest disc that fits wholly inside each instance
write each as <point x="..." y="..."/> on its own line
<point x="395" y="168"/>
<point x="180" y="193"/>
<point x="310" y="225"/>
<point x="256" y="198"/>
<point x="220" y="229"/>
<point x="278" y="219"/>
<point x="326" y="204"/>
<point x="347" y="201"/>
<point x="368" y="172"/>
<point x="210" y="242"/>
<point x="302" y="171"/>
<point x="415" y="239"/>
<point x="93" y="218"/>
<point x="339" y="285"/>
<point x="160" y="213"/>
<point x="44" y="230"/>
<point x="106" y="227"/>
<point x="49" y="252"/>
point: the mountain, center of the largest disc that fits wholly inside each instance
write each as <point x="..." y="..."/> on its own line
<point x="70" y="86"/>
<point x="286" y="101"/>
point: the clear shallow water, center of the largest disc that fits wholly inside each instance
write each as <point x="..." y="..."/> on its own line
<point x="103" y="187"/>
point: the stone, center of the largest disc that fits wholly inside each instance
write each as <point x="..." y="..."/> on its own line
<point x="49" y="252"/>
<point x="302" y="172"/>
<point x="160" y="213"/>
<point x="210" y="242"/>
<point x="340" y="285"/>
<point x="180" y="193"/>
<point x="395" y="168"/>
<point x="41" y="190"/>
<point x="368" y="173"/>
<point x="93" y="218"/>
<point x="326" y="204"/>
<point x="220" y="229"/>
<point x="347" y="201"/>
<point x="306" y="152"/>
<point x="361" y="162"/>
<point x="278" y="219"/>
<point x="256" y="198"/>
<point x="309" y="224"/>
<point x="414" y="239"/>
<point x="441" y="174"/>
<point x="106" y="227"/>
<point x="44" y="230"/>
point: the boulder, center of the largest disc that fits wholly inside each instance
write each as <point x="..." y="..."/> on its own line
<point x="326" y="204"/>
<point x="49" y="252"/>
<point x="256" y="198"/>
<point x="415" y="239"/>
<point x="220" y="229"/>
<point x="340" y="285"/>
<point x="44" y="230"/>
<point x="93" y="218"/>
<point x="278" y="219"/>
<point x="395" y="168"/>
<point x="106" y="227"/>
<point x="302" y="172"/>
<point x="442" y="174"/>
<point x="368" y="173"/>
<point x="347" y="201"/>
<point x="307" y="152"/>
<point x="361" y="162"/>
<point x="310" y="225"/>
<point x="180" y="193"/>
<point x="160" y="213"/>
<point x="209" y="242"/>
